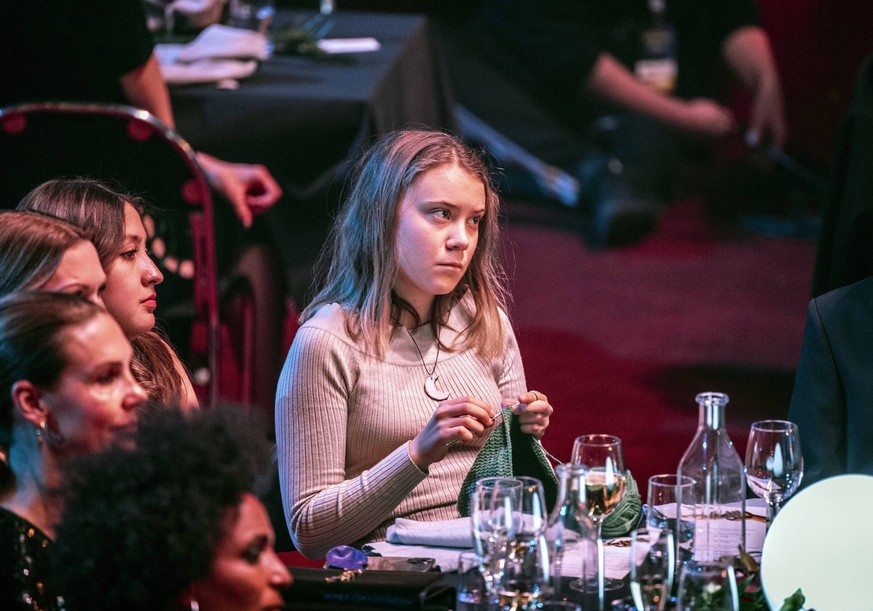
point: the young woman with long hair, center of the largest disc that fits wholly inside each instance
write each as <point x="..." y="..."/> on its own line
<point x="116" y="223"/>
<point x="406" y="354"/>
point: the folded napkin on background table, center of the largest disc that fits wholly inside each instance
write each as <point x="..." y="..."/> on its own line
<point x="219" y="52"/>
<point x="442" y="533"/>
<point x="221" y="41"/>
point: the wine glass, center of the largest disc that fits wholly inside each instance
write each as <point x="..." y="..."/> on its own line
<point x="707" y="586"/>
<point x="495" y="513"/>
<point x="653" y="564"/>
<point x="526" y="577"/>
<point x="605" y="482"/>
<point x="774" y="464"/>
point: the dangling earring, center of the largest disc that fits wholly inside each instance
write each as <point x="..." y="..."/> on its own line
<point x="195" y="606"/>
<point x="40" y="434"/>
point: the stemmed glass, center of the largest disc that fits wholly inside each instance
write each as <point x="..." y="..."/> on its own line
<point x="527" y="574"/>
<point x="707" y="586"/>
<point x="652" y="567"/>
<point x="605" y="483"/>
<point x="774" y="464"/>
<point x="495" y="507"/>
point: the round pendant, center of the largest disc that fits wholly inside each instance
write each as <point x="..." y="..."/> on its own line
<point x="430" y="388"/>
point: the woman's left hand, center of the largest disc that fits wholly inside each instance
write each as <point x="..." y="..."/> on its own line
<point x="533" y="410"/>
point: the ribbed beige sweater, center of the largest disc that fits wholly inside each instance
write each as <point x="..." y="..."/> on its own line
<point x="344" y="417"/>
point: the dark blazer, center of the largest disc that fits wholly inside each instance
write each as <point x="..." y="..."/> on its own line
<point x="832" y="402"/>
<point x="844" y="255"/>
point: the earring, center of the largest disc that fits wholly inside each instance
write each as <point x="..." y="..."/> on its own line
<point x="40" y="434"/>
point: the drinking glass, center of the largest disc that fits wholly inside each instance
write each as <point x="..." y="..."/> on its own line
<point x="471" y="586"/>
<point x="254" y="15"/>
<point x="495" y="513"/>
<point x="707" y="586"/>
<point x="526" y="577"/>
<point x="663" y="510"/>
<point x="774" y="465"/>
<point x="605" y="483"/>
<point x="653" y="564"/>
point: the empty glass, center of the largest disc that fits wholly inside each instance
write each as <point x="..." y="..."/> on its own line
<point x="471" y="584"/>
<point x="526" y="577"/>
<point x="571" y="537"/>
<point x="774" y="464"/>
<point x="707" y="586"/>
<point x="664" y="512"/>
<point x="495" y="513"/>
<point x="652" y="568"/>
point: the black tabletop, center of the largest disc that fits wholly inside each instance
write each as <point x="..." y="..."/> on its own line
<point x="306" y="119"/>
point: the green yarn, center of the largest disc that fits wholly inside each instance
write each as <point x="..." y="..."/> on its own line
<point x="509" y="452"/>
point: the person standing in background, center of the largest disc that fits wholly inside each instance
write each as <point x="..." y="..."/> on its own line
<point x="102" y="51"/>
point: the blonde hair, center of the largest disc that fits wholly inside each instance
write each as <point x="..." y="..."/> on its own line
<point x="32" y="246"/>
<point x="358" y="266"/>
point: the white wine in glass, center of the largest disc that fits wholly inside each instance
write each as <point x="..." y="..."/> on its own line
<point x="605" y="483"/>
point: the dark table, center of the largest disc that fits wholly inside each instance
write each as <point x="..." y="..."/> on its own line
<point x="306" y="119"/>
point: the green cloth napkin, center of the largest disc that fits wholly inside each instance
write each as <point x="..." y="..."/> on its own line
<point x="625" y="517"/>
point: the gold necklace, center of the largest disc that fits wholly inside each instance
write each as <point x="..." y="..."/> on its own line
<point x="430" y="387"/>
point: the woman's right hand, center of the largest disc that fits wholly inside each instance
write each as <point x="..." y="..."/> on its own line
<point x="462" y="419"/>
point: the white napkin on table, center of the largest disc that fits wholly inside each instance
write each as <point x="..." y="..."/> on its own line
<point x="442" y="533"/>
<point x="207" y="71"/>
<point x="224" y="42"/>
<point x="218" y="53"/>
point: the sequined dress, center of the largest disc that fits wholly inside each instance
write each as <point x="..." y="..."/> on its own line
<point x="24" y="565"/>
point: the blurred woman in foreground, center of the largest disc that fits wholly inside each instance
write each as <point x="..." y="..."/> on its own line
<point x="172" y="524"/>
<point x="66" y="389"/>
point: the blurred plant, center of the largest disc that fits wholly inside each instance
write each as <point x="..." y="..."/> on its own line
<point x="752" y="594"/>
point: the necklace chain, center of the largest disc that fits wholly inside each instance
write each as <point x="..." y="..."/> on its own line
<point x="421" y="356"/>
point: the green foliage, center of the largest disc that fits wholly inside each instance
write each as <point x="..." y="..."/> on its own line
<point x="750" y="590"/>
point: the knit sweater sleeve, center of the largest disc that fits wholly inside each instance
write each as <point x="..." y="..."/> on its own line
<point x="323" y="506"/>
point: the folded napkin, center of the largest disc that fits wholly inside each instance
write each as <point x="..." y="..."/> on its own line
<point x="207" y="71"/>
<point x="348" y="45"/>
<point x="224" y="42"/>
<point x="218" y="53"/>
<point x="442" y="533"/>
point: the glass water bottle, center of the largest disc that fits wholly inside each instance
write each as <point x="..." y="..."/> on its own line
<point x="572" y="538"/>
<point x="719" y="492"/>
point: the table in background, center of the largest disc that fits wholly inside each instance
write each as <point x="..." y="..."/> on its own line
<point x="306" y="119"/>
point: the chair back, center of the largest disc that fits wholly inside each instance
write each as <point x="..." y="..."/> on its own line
<point x="134" y="151"/>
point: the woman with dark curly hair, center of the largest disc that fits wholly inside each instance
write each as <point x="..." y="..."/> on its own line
<point x="116" y="221"/>
<point x="65" y="390"/>
<point x="172" y="524"/>
<point x="39" y="252"/>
